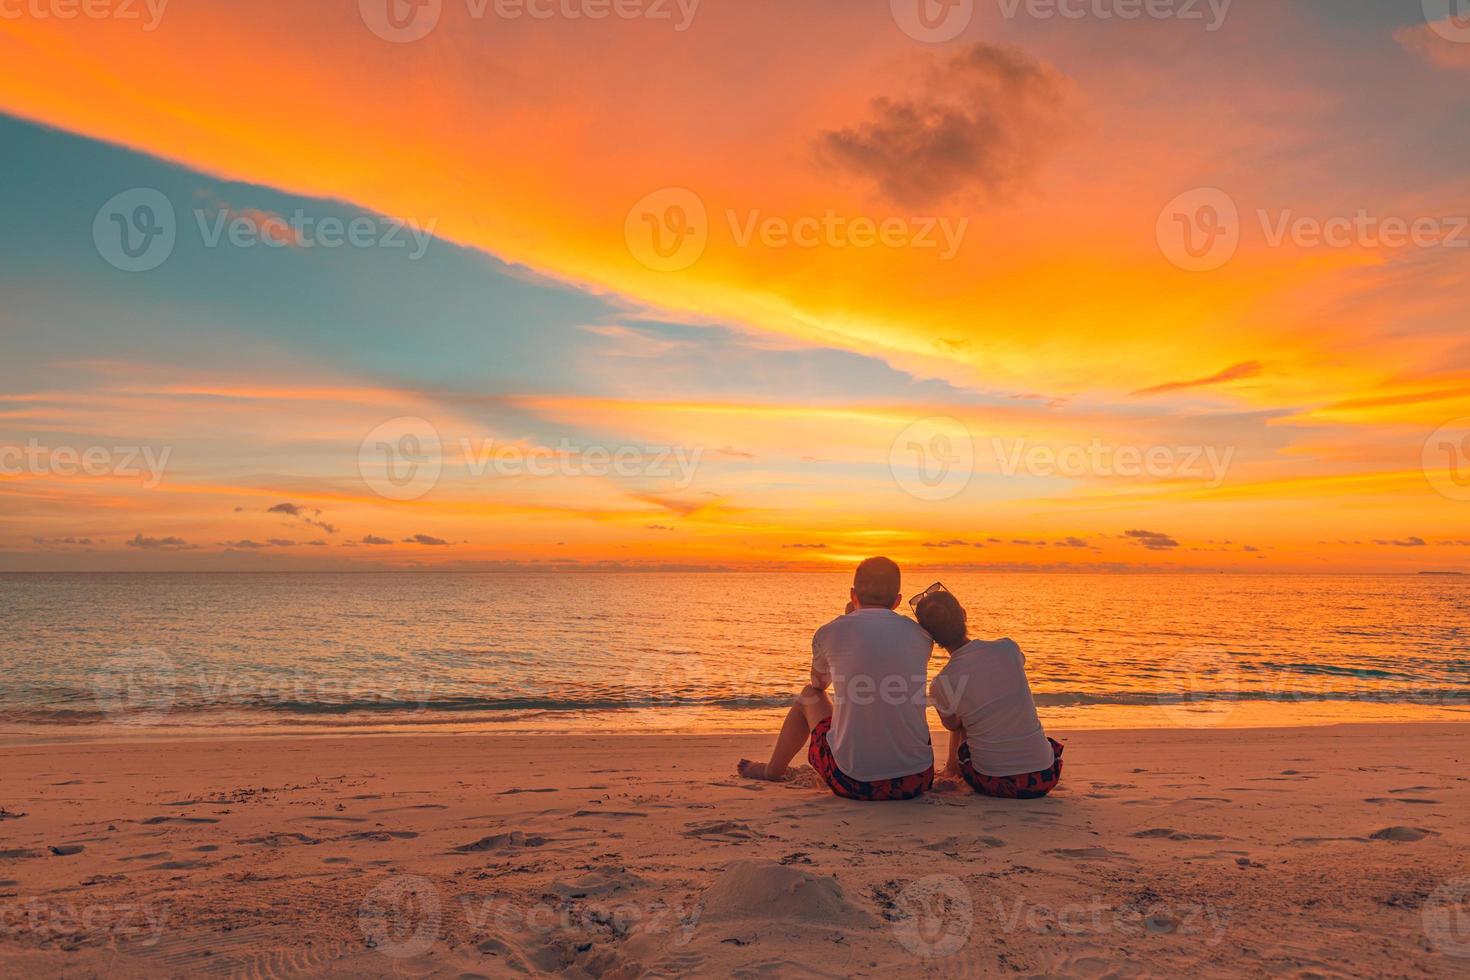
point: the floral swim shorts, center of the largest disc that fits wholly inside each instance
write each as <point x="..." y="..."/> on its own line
<point x="1026" y="786"/>
<point x="819" y="754"/>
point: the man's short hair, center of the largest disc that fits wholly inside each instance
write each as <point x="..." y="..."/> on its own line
<point x="943" y="618"/>
<point x="877" y="582"/>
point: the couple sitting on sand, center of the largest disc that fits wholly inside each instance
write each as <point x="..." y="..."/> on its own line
<point x="870" y="741"/>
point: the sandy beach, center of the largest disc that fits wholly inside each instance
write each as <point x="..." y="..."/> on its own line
<point x="1327" y="851"/>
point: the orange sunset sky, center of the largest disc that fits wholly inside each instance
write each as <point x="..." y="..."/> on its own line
<point x="734" y="284"/>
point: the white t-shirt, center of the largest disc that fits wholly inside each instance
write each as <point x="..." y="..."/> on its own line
<point x="984" y="685"/>
<point x="878" y="662"/>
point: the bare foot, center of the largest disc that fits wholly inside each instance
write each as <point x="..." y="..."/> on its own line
<point x="755" y="770"/>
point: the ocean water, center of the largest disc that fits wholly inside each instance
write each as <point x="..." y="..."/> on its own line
<point x="176" y="653"/>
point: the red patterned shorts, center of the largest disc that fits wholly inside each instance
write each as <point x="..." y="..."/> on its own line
<point x="1026" y="786"/>
<point x="819" y="754"/>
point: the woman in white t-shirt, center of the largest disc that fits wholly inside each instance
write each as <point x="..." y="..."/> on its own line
<point x="982" y="696"/>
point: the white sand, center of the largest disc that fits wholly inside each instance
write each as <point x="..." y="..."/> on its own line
<point x="1296" y="852"/>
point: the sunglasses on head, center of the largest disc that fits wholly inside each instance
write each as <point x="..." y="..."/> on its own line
<point x="931" y="590"/>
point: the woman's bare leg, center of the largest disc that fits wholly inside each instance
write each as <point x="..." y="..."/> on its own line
<point x="952" y="765"/>
<point x="807" y="711"/>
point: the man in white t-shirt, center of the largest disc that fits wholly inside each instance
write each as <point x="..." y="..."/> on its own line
<point x="871" y="740"/>
<point x="983" y="697"/>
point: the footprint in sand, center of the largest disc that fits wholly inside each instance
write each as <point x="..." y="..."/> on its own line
<point x="380" y="836"/>
<point x="150" y="856"/>
<point x="278" y="840"/>
<point x="19" y="854"/>
<point x="1160" y="833"/>
<point x="539" y="789"/>
<point x="1088" y="854"/>
<point x="596" y="884"/>
<point x="730" y="830"/>
<point x="963" y="845"/>
<point x="1403" y="835"/>
<point x="1400" y="799"/>
<point x="501" y="842"/>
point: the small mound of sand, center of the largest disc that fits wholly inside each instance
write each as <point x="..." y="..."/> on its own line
<point x="764" y="890"/>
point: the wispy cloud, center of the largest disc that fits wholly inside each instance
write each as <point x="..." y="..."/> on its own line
<point x="1236" y="372"/>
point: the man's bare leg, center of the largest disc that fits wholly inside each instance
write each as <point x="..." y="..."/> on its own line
<point x="807" y="711"/>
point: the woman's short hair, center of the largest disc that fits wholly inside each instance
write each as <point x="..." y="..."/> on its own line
<point x="943" y="618"/>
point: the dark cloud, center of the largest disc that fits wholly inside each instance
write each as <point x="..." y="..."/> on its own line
<point x="1250" y="547"/>
<point x="158" y="544"/>
<point x="952" y="543"/>
<point x="1409" y="542"/>
<point x="814" y="547"/>
<point x="245" y="544"/>
<point x="307" y="515"/>
<point x="422" y="539"/>
<point x="281" y="542"/>
<point x="374" y="539"/>
<point x="53" y="541"/>
<point x="658" y="527"/>
<point x="736" y="453"/>
<point x="1152" y="540"/>
<point x="1071" y="543"/>
<point x="1245" y="369"/>
<point x="979" y="124"/>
